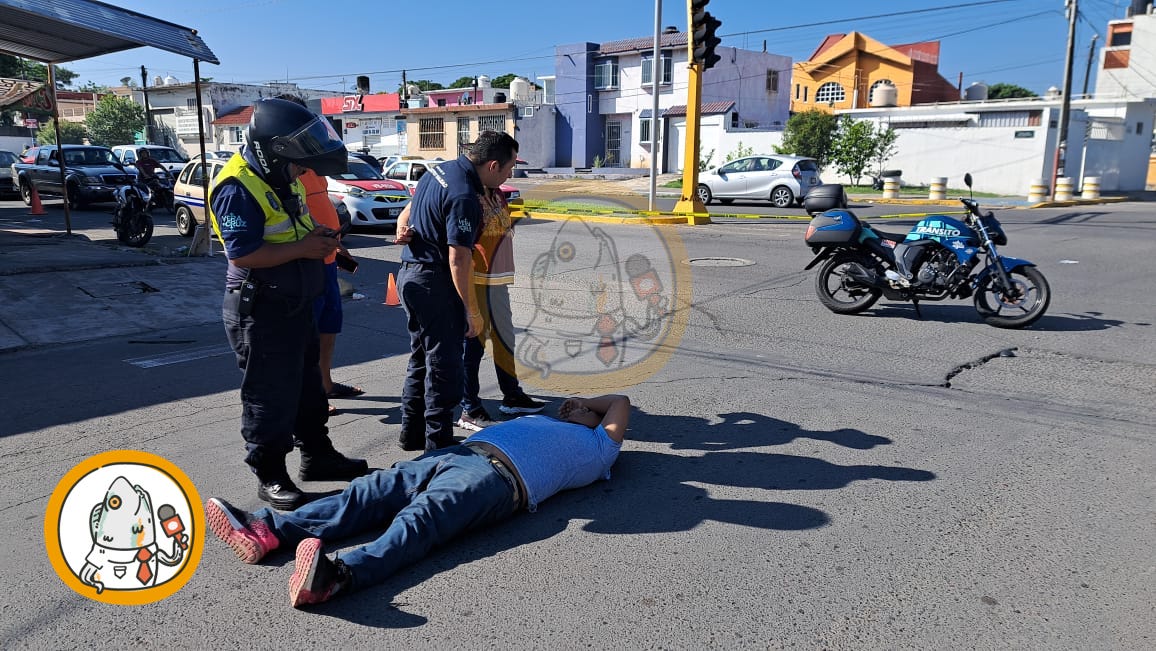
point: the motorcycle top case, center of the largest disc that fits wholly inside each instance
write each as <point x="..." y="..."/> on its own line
<point x="832" y="228"/>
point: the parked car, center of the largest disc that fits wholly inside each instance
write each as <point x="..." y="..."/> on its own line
<point x="368" y="159"/>
<point x="171" y="159"/>
<point x="220" y="155"/>
<point x="189" y="193"/>
<point x="370" y="199"/>
<point x="7" y="185"/>
<point x="386" y="161"/>
<point x="408" y="172"/>
<point x="91" y="173"/>
<point x="783" y="180"/>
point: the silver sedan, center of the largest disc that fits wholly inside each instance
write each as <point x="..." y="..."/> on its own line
<point x="782" y="180"/>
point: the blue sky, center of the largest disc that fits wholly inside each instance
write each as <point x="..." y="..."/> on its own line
<point x="326" y="45"/>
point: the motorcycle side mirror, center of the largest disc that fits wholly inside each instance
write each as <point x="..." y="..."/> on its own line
<point x="967" y="180"/>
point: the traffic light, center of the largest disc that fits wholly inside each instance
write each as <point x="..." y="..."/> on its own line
<point x="702" y="31"/>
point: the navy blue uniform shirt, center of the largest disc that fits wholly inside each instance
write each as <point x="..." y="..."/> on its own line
<point x="445" y="212"/>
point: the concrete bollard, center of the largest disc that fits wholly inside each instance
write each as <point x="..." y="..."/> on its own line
<point x="1064" y="187"/>
<point x="938" y="188"/>
<point x="891" y="187"/>
<point x="1038" y="192"/>
<point x="1091" y="188"/>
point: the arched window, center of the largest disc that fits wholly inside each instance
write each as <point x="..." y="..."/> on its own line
<point x="830" y="93"/>
<point x="871" y="93"/>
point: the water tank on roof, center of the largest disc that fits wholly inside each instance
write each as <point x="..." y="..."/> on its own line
<point x="412" y="90"/>
<point x="158" y="80"/>
<point x="499" y="98"/>
<point x="885" y="95"/>
<point x="415" y="101"/>
<point x="976" y="92"/>
<point x="171" y="80"/>
<point x="519" y="90"/>
<point x="1053" y="93"/>
<point x="483" y="81"/>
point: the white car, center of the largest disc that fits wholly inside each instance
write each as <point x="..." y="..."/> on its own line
<point x="408" y="172"/>
<point x="370" y="199"/>
<point x="782" y="180"/>
<point x="169" y="158"/>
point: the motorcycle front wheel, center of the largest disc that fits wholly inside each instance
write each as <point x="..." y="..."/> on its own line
<point x="1017" y="306"/>
<point x="135" y="229"/>
<point x="837" y="291"/>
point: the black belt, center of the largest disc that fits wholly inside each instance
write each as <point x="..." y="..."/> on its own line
<point x="489" y="452"/>
<point x="435" y="266"/>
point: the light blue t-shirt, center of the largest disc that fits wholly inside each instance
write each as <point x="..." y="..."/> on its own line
<point x="551" y="455"/>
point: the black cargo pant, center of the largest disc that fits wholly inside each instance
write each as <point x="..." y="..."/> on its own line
<point x="282" y="397"/>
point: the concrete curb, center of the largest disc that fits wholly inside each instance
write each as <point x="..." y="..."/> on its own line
<point x="657" y="219"/>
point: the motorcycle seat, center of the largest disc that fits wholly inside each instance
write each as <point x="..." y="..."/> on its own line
<point x="891" y="237"/>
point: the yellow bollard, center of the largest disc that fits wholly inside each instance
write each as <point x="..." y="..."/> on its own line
<point x="891" y="187"/>
<point x="1091" y="188"/>
<point x="938" y="188"/>
<point x="1064" y="187"/>
<point x="1038" y="192"/>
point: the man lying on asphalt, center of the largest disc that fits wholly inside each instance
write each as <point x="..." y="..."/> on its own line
<point x="426" y="502"/>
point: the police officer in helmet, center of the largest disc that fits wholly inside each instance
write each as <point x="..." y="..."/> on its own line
<point x="276" y="252"/>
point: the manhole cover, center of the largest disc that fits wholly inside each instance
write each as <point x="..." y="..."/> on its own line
<point x="718" y="262"/>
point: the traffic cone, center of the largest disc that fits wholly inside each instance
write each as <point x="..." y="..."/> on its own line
<point x="391" y="292"/>
<point x="37" y="207"/>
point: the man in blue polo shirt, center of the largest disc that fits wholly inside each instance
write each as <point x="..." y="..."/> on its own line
<point x="436" y="284"/>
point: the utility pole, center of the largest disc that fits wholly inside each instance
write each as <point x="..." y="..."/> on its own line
<point x="1088" y="70"/>
<point x="1066" y="102"/>
<point x="144" y="85"/>
<point x="655" y="78"/>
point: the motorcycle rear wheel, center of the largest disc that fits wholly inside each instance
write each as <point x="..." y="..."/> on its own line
<point x="1019" y="307"/>
<point x="135" y="229"/>
<point x="837" y="291"/>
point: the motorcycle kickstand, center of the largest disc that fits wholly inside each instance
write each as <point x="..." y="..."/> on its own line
<point x="915" y="304"/>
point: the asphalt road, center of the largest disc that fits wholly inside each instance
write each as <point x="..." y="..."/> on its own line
<point x="793" y="478"/>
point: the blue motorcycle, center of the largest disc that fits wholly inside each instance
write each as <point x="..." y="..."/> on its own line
<point x="940" y="258"/>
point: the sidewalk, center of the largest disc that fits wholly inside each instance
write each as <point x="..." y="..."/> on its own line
<point x="58" y="288"/>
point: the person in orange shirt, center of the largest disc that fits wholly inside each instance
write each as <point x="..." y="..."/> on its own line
<point x="327" y="312"/>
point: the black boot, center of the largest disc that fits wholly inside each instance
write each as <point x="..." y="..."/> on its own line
<point x="280" y="491"/>
<point x="330" y="465"/>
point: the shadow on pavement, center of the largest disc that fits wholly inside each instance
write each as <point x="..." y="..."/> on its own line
<point x="651" y="493"/>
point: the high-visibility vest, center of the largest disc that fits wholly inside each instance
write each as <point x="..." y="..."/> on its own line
<point x="279" y="226"/>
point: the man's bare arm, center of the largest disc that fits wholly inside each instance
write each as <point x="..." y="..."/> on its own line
<point x="462" y="270"/>
<point x="613" y="409"/>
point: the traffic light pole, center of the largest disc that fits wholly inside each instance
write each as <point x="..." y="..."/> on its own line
<point x="689" y="202"/>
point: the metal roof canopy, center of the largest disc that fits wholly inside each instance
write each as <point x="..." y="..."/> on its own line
<point x="58" y="31"/>
<point x="67" y="30"/>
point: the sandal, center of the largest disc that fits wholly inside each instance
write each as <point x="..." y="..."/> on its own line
<point x="340" y="390"/>
<point x="332" y="410"/>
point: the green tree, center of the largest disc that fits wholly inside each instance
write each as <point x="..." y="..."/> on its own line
<point x="809" y="134"/>
<point x="93" y="87"/>
<point x="503" y="81"/>
<point x="739" y="152"/>
<point x="854" y="147"/>
<point x="884" y="147"/>
<point x="115" y="121"/>
<point x="462" y="82"/>
<point x="72" y="133"/>
<point x="18" y="68"/>
<point x="423" y="84"/>
<point x="1008" y="91"/>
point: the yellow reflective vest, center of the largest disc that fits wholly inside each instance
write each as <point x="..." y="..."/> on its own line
<point x="279" y="226"/>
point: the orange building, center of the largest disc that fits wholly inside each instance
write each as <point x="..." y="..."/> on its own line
<point x="848" y="70"/>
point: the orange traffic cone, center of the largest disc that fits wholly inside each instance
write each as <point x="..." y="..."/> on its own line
<point x="37" y="207"/>
<point x="391" y="292"/>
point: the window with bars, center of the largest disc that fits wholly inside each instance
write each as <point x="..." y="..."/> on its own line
<point x="644" y="130"/>
<point x="191" y="103"/>
<point x="830" y="92"/>
<point x="773" y="82"/>
<point x="648" y="68"/>
<point x="431" y="133"/>
<point x="606" y="74"/>
<point x="463" y="130"/>
<point x="492" y="123"/>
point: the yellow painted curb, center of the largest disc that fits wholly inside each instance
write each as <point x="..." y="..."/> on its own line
<point x="659" y="219"/>
<point x="1077" y="202"/>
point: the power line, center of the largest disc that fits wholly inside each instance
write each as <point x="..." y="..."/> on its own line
<point x="872" y="17"/>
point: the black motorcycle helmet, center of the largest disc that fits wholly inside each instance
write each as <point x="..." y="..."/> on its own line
<point x="282" y="132"/>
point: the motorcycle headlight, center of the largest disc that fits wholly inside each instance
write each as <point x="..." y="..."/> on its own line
<point x="356" y="192"/>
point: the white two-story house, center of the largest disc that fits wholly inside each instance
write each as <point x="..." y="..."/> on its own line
<point x="604" y="98"/>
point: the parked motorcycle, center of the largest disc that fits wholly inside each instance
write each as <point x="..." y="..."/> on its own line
<point x="939" y="258"/>
<point x="131" y="220"/>
<point x="161" y="187"/>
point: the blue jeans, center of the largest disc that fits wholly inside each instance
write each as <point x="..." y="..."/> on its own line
<point x="498" y="327"/>
<point x="436" y="321"/>
<point x="422" y="503"/>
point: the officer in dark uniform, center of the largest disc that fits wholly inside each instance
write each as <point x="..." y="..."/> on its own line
<point x="436" y="284"/>
<point x="276" y="252"/>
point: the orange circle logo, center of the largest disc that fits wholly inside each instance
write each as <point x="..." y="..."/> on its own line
<point x="125" y="527"/>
